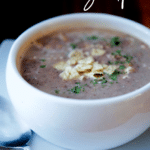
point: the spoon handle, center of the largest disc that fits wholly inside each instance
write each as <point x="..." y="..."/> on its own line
<point x="15" y="148"/>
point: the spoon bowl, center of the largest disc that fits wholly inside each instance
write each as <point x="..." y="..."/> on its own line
<point x="13" y="130"/>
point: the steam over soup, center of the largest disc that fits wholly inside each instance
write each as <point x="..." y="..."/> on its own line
<point x="86" y="63"/>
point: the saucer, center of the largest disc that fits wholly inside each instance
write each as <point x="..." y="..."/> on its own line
<point x="38" y="143"/>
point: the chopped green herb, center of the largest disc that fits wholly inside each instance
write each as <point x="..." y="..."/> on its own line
<point x="84" y="85"/>
<point x="42" y="60"/>
<point x="128" y="58"/>
<point x="122" y="62"/>
<point x="57" y="91"/>
<point x="116" y="62"/>
<point x="43" y="66"/>
<point x="117" y="52"/>
<point x="76" y="90"/>
<point x="104" y="81"/>
<point x="77" y="83"/>
<point x="114" y="75"/>
<point x="122" y="67"/>
<point x="83" y="89"/>
<point x="80" y="84"/>
<point x="73" y="45"/>
<point x="111" y="82"/>
<point x="94" y="82"/>
<point x="93" y="37"/>
<point x="115" y="41"/>
<point x="119" y="62"/>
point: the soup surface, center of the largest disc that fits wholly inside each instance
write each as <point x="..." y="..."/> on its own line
<point x="86" y="63"/>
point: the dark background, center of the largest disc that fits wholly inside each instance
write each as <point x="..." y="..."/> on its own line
<point x="17" y="16"/>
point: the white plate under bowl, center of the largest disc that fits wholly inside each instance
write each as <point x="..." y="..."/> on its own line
<point x="37" y="143"/>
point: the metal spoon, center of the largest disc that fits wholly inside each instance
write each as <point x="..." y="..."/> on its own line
<point x="14" y="133"/>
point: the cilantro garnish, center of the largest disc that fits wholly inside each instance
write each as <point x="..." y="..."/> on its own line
<point x="94" y="82"/>
<point x="128" y="58"/>
<point x="83" y="89"/>
<point x="115" y="41"/>
<point x="43" y="66"/>
<point x="116" y="62"/>
<point x="119" y="62"/>
<point x="77" y="89"/>
<point x="114" y="75"/>
<point x="57" y="91"/>
<point x="122" y="67"/>
<point x="77" y="83"/>
<point x="84" y="85"/>
<point x="73" y="45"/>
<point x="103" y="81"/>
<point x="117" y="52"/>
<point x="93" y="37"/>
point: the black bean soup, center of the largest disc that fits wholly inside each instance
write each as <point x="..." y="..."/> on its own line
<point x="86" y="63"/>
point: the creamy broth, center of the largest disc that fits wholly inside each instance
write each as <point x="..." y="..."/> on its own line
<point x="124" y="59"/>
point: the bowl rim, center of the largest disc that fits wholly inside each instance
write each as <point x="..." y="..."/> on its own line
<point x="19" y="41"/>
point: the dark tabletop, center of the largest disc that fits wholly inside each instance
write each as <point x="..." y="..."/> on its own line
<point x="17" y="16"/>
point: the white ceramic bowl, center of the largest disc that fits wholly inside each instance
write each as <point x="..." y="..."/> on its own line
<point x="80" y="124"/>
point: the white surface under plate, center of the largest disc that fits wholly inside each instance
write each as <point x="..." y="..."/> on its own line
<point x="37" y="143"/>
